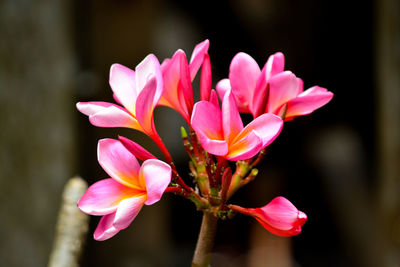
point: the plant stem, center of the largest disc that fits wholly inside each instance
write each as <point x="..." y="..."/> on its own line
<point x="205" y="241"/>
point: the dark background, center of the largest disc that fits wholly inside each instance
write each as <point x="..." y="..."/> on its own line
<point x="340" y="165"/>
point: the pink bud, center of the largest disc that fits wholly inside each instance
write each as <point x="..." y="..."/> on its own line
<point x="280" y="216"/>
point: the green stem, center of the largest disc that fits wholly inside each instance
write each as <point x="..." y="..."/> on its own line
<point x="205" y="241"/>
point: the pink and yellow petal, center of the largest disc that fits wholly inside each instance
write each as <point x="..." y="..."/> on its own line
<point x="267" y="126"/>
<point x="156" y="176"/>
<point x="103" y="114"/>
<point x="127" y="210"/>
<point x="245" y="148"/>
<point x="105" y="229"/>
<point x="119" y="163"/>
<point x="207" y="120"/>
<point x="103" y="197"/>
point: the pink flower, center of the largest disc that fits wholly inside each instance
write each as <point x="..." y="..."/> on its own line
<point x="138" y="93"/>
<point x="270" y="90"/>
<point x="222" y="133"/>
<point x="280" y="217"/>
<point x="119" y="198"/>
<point x="178" y="76"/>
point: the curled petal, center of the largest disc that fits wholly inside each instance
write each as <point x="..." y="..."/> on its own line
<point x="214" y="98"/>
<point x="308" y="101"/>
<point x="103" y="197"/>
<point x="171" y="95"/>
<point x="215" y="147"/>
<point x="127" y="211"/>
<point x="275" y="64"/>
<point x="148" y="68"/>
<point x="122" y="82"/>
<point x="105" y="229"/>
<point x="207" y="120"/>
<point x="197" y="57"/>
<point x="157" y="176"/>
<point x="283" y="87"/>
<point x="222" y="87"/>
<point x="119" y="163"/>
<point x="205" y="80"/>
<point x="231" y="122"/>
<point x="243" y="75"/>
<point x="137" y="150"/>
<point x="185" y="90"/>
<point x="245" y="148"/>
<point x="145" y="106"/>
<point x="103" y="114"/>
<point x="267" y="126"/>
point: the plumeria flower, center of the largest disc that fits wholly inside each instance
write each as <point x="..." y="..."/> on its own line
<point x="178" y="75"/>
<point x="270" y="90"/>
<point x="222" y="133"/>
<point x="119" y="198"/>
<point x="280" y="216"/>
<point x="137" y="92"/>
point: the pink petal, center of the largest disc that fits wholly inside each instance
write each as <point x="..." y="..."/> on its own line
<point x="267" y="126"/>
<point x="205" y="79"/>
<point x="281" y="217"/>
<point x="231" y="122"/>
<point x="185" y="90"/>
<point x="171" y="76"/>
<point x="157" y="176"/>
<point x="207" y="122"/>
<point x="137" y="150"/>
<point x="260" y="96"/>
<point x="197" y="57"/>
<point x="145" y="106"/>
<point x="243" y="74"/>
<point x="308" y="101"/>
<point x="214" y="98"/>
<point x="148" y="68"/>
<point x="103" y="197"/>
<point x="122" y="82"/>
<point x="207" y="119"/>
<point x="275" y="64"/>
<point x="105" y="229"/>
<point x="103" y="114"/>
<point x="212" y="146"/>
<point x="119" y="163"/>
<point x="222" y="87"/>
<point x="127" y="211"/>
<point x="283" y="87"/>
<point x="245" y="148"/>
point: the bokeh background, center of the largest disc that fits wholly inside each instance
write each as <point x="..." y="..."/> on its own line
<point x="339" y="165"/>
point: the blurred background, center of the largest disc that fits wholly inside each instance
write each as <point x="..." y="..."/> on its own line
<point x="339" y="165"/>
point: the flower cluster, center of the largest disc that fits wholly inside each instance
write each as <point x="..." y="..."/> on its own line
<point x="223" y="151"/>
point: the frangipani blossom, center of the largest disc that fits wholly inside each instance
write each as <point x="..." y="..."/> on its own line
<point x="280" y="216"/>
<point x="138" y="93"/>
<point x="119" y="198"/>
<point x="270" y="90"/>
<point x="178" y="76"/>
<point x="222" y="133"/>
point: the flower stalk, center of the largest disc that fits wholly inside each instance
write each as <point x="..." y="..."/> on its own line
<point x="205" y="241"/>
